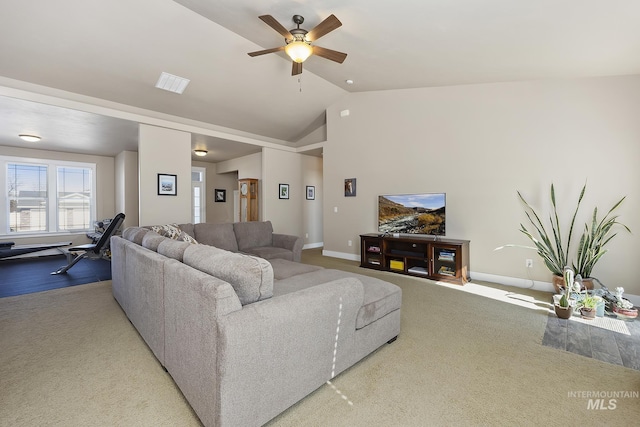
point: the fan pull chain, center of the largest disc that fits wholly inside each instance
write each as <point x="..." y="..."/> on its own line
<point x="300" y="82"/>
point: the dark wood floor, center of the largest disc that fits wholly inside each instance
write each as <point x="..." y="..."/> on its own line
<point x="608" y="339"/>
<point x="24" y="276"/>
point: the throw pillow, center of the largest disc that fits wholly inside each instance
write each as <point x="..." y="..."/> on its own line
<point x="173" y="231"/>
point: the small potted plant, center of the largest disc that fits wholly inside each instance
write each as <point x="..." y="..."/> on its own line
<point x="564" y="308"/>
<point x="588" y="306"/>
<point x="623" y="308"/>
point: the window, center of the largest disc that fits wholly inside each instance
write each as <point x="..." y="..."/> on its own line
<point x="198" y="202"/>
<point x="27" y="194"/>
<point x="46" y="196"/>
<point x="74" y="198"/>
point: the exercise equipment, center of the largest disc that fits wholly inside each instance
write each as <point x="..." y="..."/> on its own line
<point x="93" y="250"/>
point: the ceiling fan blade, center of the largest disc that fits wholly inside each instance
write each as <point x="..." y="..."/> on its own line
<point x="325" y="27"/>
<point x="331" y="54"/>
<point x="271" y="21"/>
<point x="296" y="69"/>
<point x="264" y="52"/>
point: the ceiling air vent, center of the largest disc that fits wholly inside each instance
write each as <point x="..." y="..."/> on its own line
<point x="172" y="83"/>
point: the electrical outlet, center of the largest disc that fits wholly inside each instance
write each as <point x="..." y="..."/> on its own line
<point x="306" y="235"/>
<point x="349" y="242"/>
<point x="528" y="263"/>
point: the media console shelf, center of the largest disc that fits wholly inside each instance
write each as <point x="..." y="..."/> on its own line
<point x="424" y="256"/>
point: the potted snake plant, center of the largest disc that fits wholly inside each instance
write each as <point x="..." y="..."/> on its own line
<point x="550" y="245"/>
<point x="593" y="240"/>
<point x="555" y="251"/>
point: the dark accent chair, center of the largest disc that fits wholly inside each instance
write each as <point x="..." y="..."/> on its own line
<point x="93" y="250"/>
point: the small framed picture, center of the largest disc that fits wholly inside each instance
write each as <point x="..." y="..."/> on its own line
<point x="283" y="191"/>
<point x="220" y="195"/>
<point x="311" y="192"/>
<point x="350" y="187"/>
<point x="167" y="184"/>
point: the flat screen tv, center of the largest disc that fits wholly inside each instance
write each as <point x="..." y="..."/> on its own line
<point x="412" y="214"/>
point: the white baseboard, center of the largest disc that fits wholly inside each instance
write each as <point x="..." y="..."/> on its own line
<point x="313" y="245"/>
<point x="341" y="255"/>
<point x="493" y="278"/>
<point x="534" y="284"/>
<point x="513" y="281"/>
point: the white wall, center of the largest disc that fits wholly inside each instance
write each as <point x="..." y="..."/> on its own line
<point x="282" y="167"/>
<point x="480" y="144"/>
<point x="241" y="168"/>
<point x="126" y="187"/>
<point x="247" y="166"/>
<point x="162" y="150"/>
<point x="317" y="135"/>
<point x="219" y="212"/>
<point x="312" y="230"/>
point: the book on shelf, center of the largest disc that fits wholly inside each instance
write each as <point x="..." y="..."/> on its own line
<point x="396" y="265"/>
<point x="374" y="261"/>
<point x="446" y="271"/>
<point x="419" y="270"/>
<point x="446" y="256"/>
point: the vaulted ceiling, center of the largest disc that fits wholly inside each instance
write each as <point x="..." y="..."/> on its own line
<point x="111" y="53"/>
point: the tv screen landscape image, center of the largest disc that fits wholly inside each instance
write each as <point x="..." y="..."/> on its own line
<point x="412" y="214"/>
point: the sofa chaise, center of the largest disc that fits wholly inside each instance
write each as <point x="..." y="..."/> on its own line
<point x="244" y="338"/>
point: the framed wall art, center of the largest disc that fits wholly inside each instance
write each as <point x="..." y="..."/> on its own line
<point x="220" y="195"/>
<point x="350" y="187"/>
<point x="283" y="191"/>
<point x="311" y="192"/>
<point x="167" y="184"/>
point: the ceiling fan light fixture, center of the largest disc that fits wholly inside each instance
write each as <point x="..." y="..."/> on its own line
<point x="200" y="153"/>
<point x="29" y="138"/>
<point x="298" y="50"/>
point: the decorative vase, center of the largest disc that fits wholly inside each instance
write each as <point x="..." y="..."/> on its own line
<point x="599" y="307"/>
<point x="563" y="312"/>
<point x="558" y="283"/>
<point x="588" y="313"/>
<point x="587" y="283"/>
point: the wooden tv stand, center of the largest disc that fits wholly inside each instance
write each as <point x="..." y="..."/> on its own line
<point x="422" y="256"/>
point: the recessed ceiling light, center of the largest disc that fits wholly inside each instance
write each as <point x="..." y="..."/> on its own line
<point x="172" y="83"/>
<point x="29" y="138"/>
<point x="200" y="153"/>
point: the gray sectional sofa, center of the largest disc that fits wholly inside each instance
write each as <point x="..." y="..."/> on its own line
<point x="244" y="338"/>
<point x="255" y="238"/>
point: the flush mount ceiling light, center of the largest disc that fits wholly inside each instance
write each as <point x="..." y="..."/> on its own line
<point x="172" y="83"/>
<point x="200" y="153"/>
<point x="29" y="138"/>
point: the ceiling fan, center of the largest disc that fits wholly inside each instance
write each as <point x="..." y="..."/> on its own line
<point x="298" y="41"/>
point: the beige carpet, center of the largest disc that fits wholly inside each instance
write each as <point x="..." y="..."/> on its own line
<point x="69" y="357"/>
